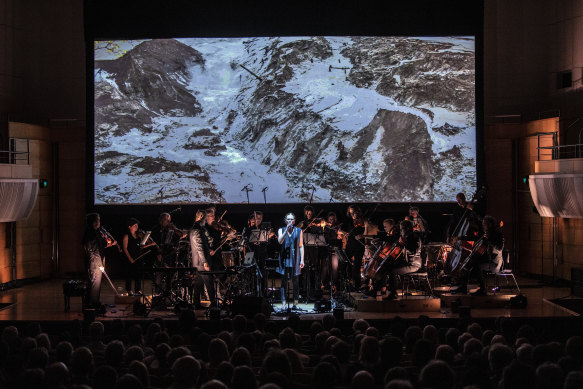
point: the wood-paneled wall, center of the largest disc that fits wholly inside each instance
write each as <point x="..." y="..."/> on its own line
<point x="511" y="150"/>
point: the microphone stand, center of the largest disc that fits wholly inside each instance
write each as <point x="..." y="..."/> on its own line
<point x="264" y="196"/>
<point x="313" y="188"/>
<point x="247" y="190"/>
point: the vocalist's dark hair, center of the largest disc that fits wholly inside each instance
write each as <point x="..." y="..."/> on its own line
<point x="91" y="217"/>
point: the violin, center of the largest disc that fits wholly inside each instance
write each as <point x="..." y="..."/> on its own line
<point x="108" y="238"/>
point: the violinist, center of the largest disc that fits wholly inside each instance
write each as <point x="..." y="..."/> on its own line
<point x="258" y="237"/>
<point x="132" y="248"/>
<point x="214" y="238"/>
<point x="422" y="227"/>
<point x="314" y="254"/>
<point x="355" y="242"/>
<point x="486" y="256"/>
<point x="95" y="241"/>
<point x="334" y="241"/>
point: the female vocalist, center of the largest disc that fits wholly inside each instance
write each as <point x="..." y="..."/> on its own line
<point x="291" y="257"/>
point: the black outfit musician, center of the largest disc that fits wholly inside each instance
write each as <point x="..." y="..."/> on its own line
<point x="167" y="236"/>
<point x="201" y="257"/>
<point x="132" y="250"/>
<point x="421" y="226"/>
<point x="95" y="241"/>
<point x="486" y="256"/>
<point x="214" y="238"/>
<point x="258" y="239"/>
<point x="408" y="259"/>
<point x="314" y="254"/>
<point x="354" y="243"/>
<point x="334" y="240"/>
<point x="465" y="222"/>
<point x="291" y="257"/>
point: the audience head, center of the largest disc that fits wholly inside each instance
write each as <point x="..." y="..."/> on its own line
<point x="325" y="375"/>
<point x="437" y="375"/>
<point x="362" y="379"/>
<point x="244" y="378"/>
<point x="217" y="352"/>
<point x="82" y="362"/>
<point x="186" y="371"/>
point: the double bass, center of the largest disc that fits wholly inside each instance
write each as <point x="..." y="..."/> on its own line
<point x="462" y="247"/>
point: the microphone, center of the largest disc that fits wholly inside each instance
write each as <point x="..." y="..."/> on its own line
<point x="248" y="188"/>
<point x="264" y="189"/>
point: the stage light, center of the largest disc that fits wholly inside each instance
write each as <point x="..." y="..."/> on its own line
<point x="43" y="183"/>
<point x="525" y="180"/>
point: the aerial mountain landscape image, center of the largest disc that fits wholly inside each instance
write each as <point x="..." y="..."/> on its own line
<point x="348" y="119"/>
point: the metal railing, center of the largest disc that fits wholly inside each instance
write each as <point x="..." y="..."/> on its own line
<point x="18" y="152"/>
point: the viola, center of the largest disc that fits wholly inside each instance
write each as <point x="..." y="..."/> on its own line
<point x="108" y="238"/>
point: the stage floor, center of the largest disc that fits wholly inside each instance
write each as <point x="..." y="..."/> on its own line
<point x="44" y="301"/>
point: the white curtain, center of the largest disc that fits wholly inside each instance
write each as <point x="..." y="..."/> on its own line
<point x="557" y="195"/>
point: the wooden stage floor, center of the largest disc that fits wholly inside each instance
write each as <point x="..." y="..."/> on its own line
<point x="43" y="301"/>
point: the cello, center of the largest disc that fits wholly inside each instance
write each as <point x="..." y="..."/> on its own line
<point x="383" y="256"/>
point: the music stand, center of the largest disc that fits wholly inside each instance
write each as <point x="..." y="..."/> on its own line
<point x="258" y="236"/>
<point x="314" y="239"/>
<point x="249" y="259"/>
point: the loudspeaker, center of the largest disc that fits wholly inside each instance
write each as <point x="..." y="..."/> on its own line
<point x="249" y="306"/>
<point x="577" y="282"/>
<point x="322" y="306"/>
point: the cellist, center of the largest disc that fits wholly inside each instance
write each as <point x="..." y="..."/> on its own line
<point x="404" y="257"/>
<point x="486" y="256"/>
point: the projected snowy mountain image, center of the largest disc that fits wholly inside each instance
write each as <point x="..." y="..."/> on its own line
<point x="346" y="119"/>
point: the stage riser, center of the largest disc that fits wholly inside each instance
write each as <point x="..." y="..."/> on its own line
<point x="420" y="304"/>
<point x="483" y="302"/>
<point x="410" y="305"/>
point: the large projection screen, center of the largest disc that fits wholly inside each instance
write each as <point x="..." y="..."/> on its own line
<point x="293" y="119"/>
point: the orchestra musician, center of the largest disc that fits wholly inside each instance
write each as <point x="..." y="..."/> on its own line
<point x="355" y="242"/>
<point x="214" y="237"/>
<point x="421" y="226"/>
<point x="486" y="256"/>
<point x="407" y="260"/>
<point x="260" y="248"/>
<point x="132" y="250"/>
<point x="167" y="235"/>
<point x="201" y="259"/>
<point x="390" y="233"/>
<point x="334" y="240"/>
<point x="462" y="208"/>
<point x="95" y="240"/>
<point x="314" y="255"/>
<point x="291" y="257"/>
